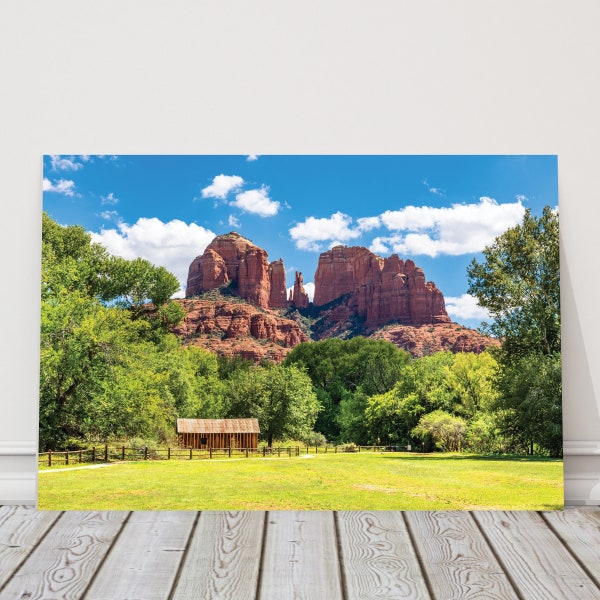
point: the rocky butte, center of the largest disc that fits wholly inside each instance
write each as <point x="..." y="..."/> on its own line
<point x="356" y="292"/>
<point x="380" y="290"/>
<point x="232" y="259"/>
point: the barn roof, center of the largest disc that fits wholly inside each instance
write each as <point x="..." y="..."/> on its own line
<point x="217" y="426"/>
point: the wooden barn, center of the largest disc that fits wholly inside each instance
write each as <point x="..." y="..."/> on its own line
<point x="218" y="433"/>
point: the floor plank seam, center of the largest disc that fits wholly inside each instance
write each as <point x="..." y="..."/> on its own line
<point x="99" y="567"/>
<point x="261" y="561"/>
<point x="495" y="554"/>
<point x="420" y="562"/>
<point x="20" y="565"/>
<point x="184" y="554"/>
<point x="340" y="557"/>
<point x="570" y="550"/>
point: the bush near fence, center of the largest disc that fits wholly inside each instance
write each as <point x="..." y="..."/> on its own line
<point x="111" y="453"/>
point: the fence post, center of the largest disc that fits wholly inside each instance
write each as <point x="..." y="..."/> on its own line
<point x="191" y="453"/>
<point x="306" y="448"/>
<point x="105" y="452"/>
<point x="359" y="448"/>
<point x="123" y="453"/>
<point x="229" y="451"/>
<point x="279" y="452"/>
<point x="93" y="453"/>
<point x="246" y="452"/>
<point x="316" y="450"/>
<point x="264" y="451"/>
<point x="335" y="449"/>
<point x="67" y="458"/>
<point x="168" y="453"/>
<point x="80" y="461"/>
<point x="49" y="458"/>
<point x="210" y="452"/>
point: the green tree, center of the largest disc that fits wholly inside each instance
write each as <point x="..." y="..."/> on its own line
<point x="135" y="283"/>
<point x="81" y="344"/>
<point x="471" y="381"/>
<point x="347" y="371"/>
<point x="519" y="284"/>
<point x="447" y="432"/>
<point x="280" y="397"/>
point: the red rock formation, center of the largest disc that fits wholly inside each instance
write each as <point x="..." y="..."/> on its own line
<point x="278" y="298"/>
<point x="298" y="296"/>
<point x="428" y="339"/>
<point x="381" y="290"/>
<point x="233" y="258"/>
<point x="231" y="328"/>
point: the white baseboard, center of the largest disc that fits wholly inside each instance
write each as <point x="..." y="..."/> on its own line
<point x="18" y="472"/>
<point x="582" y="472"/>
<point x="18" y="488"/>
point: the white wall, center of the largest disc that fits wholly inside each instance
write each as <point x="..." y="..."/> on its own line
<point x="333" y="76"/>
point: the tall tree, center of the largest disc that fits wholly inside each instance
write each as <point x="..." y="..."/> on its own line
<point x="519" y="284"/>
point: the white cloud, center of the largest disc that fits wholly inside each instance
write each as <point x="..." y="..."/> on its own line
<point x="221" y="186"/>
<point x="434" y="190"/>
<point x="465" y="307"/>
<point x="459" y="229"/>
<point x="234" y="221"/>
<point x="109" y="215"/>
<point x="110" y="199"/>
<point x="378" y="247"/>
<point x="172" y="245"/>
<point x="62" y="186"/>
<point x="252" y="157"/>
<point x="257" y="202"/>
<point x="368" y="223"/>
<point x="59" y="163"/>
<point x="313" y="232"/>
<point x="309" y="288"/>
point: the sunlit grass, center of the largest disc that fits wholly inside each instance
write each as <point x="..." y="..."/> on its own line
<point x="366" y="480"/>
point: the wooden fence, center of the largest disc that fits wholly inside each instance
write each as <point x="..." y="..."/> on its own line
<point x="108" y="453"/>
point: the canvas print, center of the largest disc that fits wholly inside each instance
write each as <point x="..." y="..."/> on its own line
<point x="300" y="332"/>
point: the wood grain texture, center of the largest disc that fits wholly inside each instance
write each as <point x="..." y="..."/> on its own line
<point x="144" y="561"/>
<point x="21" y="528"/>
<point x="64" y="562"/>
<point x="456" y="559"/>
<point x="223" y="558"/>
<point x="580" y="531"/>
<point x="300" y="557"/>
<point x="377" y="557"/>
<point x="535" y="559"/>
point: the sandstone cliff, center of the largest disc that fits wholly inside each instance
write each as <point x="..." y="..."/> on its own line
<point x="380" y="290"/>
<point x="428" y="339"/>
<point x="240" y="329"/>
<point x="356" y="293"/>
<point x="232" y="259"/>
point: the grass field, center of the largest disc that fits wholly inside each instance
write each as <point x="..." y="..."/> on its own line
<point x="375" y="481"/>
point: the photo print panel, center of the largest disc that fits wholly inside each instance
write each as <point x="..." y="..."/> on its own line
<point x="300" y="333"/>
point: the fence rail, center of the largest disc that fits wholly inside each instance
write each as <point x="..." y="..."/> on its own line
<point x="108" y="453"/>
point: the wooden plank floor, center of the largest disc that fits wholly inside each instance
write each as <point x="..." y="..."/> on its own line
<point x="163" y="555"/>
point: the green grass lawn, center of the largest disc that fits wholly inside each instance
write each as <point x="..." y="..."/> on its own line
<point x="366" y="480"/>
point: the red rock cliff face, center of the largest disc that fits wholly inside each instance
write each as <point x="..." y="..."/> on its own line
<point x="381" y="290"/>
<point x="233" y="258"/>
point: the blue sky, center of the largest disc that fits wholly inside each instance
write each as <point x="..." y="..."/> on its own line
<point x="440" y="211"/>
